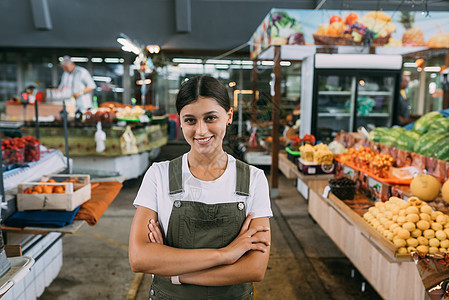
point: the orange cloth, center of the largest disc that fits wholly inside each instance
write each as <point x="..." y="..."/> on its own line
<point x="101" y="197"/>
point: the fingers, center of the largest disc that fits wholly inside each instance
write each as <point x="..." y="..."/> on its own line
<point x="245" y="225"/>
<point x="252" y="231"/>
<point x="155" y="234"/>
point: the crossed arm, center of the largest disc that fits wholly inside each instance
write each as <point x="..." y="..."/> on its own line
<point x="244" y="260"/>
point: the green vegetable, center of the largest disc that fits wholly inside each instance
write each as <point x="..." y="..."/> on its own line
<point x="441" y="124"/>
<point x="407" y="140"/>
<point x="441" y="149"/>
<point x="430" y="145"/>
<point x="377" y="133"/>
<point x="391" y="138"/>
<point x="423" y="123"/>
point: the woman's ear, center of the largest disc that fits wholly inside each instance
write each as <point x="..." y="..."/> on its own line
<point x="230" y="114"/>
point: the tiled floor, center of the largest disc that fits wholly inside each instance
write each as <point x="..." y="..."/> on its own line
<point x="304" y="262"/>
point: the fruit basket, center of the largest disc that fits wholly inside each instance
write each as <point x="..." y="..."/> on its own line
<point x="343" y="188"/>
<point x="346" y="40"/>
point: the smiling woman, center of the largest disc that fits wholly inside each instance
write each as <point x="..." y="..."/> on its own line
<point x="202" y="220"/>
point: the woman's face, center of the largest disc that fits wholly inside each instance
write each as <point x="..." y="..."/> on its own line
<point x="203" y="124"/>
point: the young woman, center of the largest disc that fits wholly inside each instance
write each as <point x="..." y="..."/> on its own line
<point x="202" y="220"/>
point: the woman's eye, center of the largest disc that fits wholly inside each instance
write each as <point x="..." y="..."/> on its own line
<point x="189" y="121"/>
<point x="211" y="118"/>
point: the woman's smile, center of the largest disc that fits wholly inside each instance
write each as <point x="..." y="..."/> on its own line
<point x="203" y="141"/>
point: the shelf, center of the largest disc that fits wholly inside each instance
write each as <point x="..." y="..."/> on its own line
<point x="334" y="115"/>
<point x="376" y="115"/>
<point x="373" y="115"/>
<point x="348" y="93"/>
<point x="367" y="93"/>
<point x="335" y="93"/>
<point x="69" y="229"/>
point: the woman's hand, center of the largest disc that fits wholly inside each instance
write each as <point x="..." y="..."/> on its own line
<point x="246" y="241"/>
<point x="155" y="234"/>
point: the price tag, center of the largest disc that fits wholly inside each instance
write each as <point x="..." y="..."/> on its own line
<point x="326" y="191"/>
<point x="144" y="119"/>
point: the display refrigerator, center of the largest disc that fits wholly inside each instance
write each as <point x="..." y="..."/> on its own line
<point x="348" y="91"/>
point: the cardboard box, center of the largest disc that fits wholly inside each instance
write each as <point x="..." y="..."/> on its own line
<point x="76" y="193"/>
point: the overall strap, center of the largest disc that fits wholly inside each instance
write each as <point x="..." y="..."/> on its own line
<point x="175" y="175"/>
<point x="242" y="184"/>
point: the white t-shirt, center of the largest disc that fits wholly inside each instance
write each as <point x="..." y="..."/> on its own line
<point x="76" y="82"/>
<point x="154" y="191"/>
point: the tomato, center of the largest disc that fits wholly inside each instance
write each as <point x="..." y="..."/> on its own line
<point x="335" y="18"/>
<point x="352" y="18"/>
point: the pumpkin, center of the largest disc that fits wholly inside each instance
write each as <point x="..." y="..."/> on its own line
<point x="425" y="187"/>
<point x="445" y="191"/>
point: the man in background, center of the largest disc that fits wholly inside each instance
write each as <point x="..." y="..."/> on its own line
<point x="76" y="82"/>
<point x="404" y="102"/>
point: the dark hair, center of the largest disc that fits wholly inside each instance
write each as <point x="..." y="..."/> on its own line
<point x="202" y="86"/>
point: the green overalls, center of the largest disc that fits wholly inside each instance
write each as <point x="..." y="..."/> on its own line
<point x="195" y="225"/>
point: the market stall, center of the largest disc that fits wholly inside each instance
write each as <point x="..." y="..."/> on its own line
<point x="358" y="46"/>
<point x="40" y="205"/>
<point x="105" y="140"/>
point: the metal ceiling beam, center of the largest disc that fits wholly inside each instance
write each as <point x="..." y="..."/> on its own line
<point x="41" y="14"/>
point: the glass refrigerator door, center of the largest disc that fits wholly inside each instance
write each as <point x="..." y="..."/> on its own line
<point x="374" y="100"/>
<point x="335" y="106"/>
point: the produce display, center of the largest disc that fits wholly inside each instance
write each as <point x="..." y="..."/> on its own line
<point x="410" y="225"/>
<point x="343" y="188"/>
<point x="425" y="187"/>
<point x="45" y="188"/>
<point x="370" y="161"/>
<point x="429" y="136"/>
<point x="319" y="154"/>
<point x="20" y="150"/>
<point x="375" y="26"/>
<point x="129" y="113"/>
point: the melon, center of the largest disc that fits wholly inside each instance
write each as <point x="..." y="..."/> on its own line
<point x="425" y="187"/>
<point x="445" y="191"/>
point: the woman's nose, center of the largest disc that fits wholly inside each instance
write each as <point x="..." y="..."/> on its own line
<point x="201" y="127"/>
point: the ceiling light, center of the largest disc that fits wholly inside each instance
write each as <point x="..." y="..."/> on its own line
<point x="153" y="49"/>
<point x="128" y="45"/>
<point x="187" y="60"/>
<point x="77" y="59"/>
<point x="102" y="78"/>
<point x="285" y="63"/>
<point x="190" y="65"/>
<point x="96" y="60"/>
<point x="111" y="60"/>
<point x="410" y="65"/>
<point x="218" y="61"/>
<point x="432" y="69"/>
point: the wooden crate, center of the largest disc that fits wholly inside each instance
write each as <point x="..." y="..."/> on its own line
<point x="75" y="194"/>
